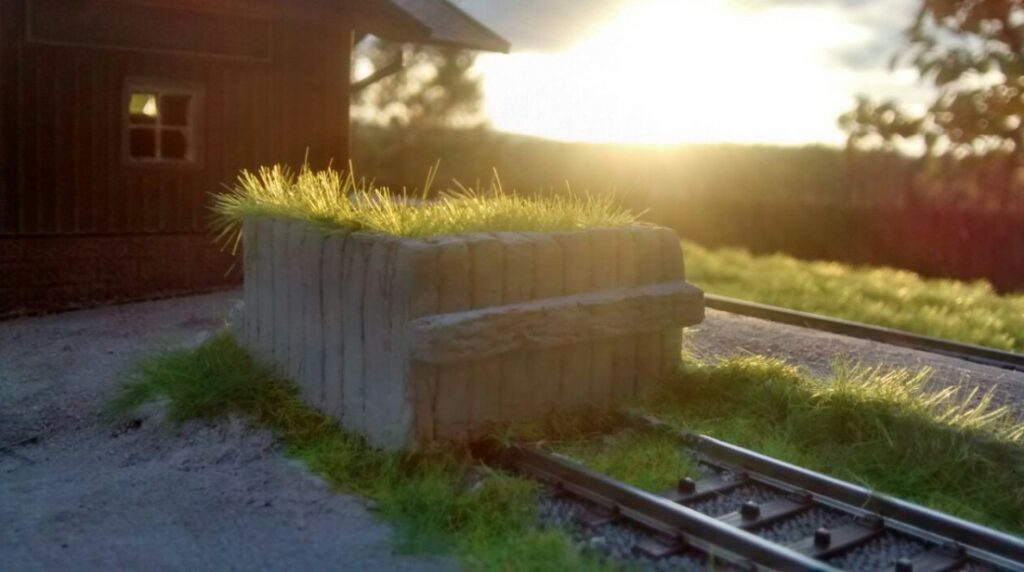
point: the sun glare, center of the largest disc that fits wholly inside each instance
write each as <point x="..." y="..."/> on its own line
<point x="672" y="71"/>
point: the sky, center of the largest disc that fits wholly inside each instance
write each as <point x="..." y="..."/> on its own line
<point x="690" y="71"/>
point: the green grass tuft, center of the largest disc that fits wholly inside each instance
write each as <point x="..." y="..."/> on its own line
<point x="646" y="459"/>
<point x="483" y="516"/>
<point x="333" y="200"/>
<point x="966" y="311"/>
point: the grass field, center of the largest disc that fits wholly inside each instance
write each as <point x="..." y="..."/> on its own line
<point x="336" y="200"/>
<point x="965" y="311"/>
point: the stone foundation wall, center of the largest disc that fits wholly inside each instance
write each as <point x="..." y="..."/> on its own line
<point x="408" y="341"/>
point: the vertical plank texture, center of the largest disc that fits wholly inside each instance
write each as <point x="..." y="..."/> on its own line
<point x="516" y="387"/>
<point x="453" y="410"/>
<point x="486" y="279"/>
<point x="576" y="388"/>
<point x="333" y="338"/>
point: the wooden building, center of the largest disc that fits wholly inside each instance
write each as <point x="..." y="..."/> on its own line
<point x="118" y="118"/>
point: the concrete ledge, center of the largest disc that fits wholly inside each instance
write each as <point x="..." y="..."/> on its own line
<point x="555" y="322"/>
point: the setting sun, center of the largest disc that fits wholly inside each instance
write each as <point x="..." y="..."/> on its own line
<point x="664" y="71"/>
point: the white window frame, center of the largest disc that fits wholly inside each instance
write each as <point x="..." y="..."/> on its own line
<point x="191" y="130"/>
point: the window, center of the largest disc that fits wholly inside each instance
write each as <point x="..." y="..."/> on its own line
<point x="161" y="125"/>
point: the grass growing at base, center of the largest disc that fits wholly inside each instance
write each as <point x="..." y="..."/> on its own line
<point x="965" y="311"/>
<point x="878" y="428"/>
<point x="486" y="520"/>
<point x="646" y="459"/>
<point x="336" y="200"/>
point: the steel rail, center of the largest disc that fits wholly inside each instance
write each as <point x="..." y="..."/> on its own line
<point x="969" y="352"/>
<point x="697" y="529"/>
<point x="979" y="543"/>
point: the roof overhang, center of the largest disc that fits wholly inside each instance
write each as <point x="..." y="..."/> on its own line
<point x="434" y="22"/>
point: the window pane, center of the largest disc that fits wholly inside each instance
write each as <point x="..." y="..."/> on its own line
<point x="142" y="108"/>
<point x="142" y="143"/>
<point x="174" y="109"/>
<point x="173" y="145"/>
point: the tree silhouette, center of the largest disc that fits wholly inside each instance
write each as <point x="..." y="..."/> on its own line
<point x="972" y="52"/>
<point x="433" y="87"/>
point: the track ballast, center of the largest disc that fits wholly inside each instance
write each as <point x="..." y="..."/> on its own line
<point x="749" y="511"/>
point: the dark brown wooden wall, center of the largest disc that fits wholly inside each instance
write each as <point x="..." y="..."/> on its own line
<point x="61" y="169"/>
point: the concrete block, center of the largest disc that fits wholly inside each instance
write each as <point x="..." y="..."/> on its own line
<point x="624" y="349"/>
<point x="672" y="269"/>
<point x="453" y="411"/>
<point x="648" y="346"/>
<point x="486" y="333"/>
<point x="332" y="322"/>
<point x="263" y="313"/>
<point x="487" y="288"/>
<point x="548" y="282"/>
<point x="281" y="279"/>
<point x="294" y="324"/>
<point x="409" y="341"/>
<point x="312" y="348"/>
<point x="419" y="282"/>
<point x="604" y="243"/>
<point x="354" y="264"/>
<point x="379" y="304"/>
<point x="247" y="336"/>
<point x="516" y="386"/>
<point x="576" y="387"/>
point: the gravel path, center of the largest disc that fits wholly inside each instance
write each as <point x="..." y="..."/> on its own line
<point x="723" y="334"/>
<point x="84" y="495"/>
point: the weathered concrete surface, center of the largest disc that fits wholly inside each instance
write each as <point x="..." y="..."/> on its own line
<point x="603" y="278"/>
<point x="648" y="345"/>
<point x="575" y="383"/>
<point x="311" y="352"/>
<point x="418" y="265"/>
<point x="554" y="322"/>
<point x="671" y="269"/>
<point x="406" y="341"/>
<point x="624" y="352"/>
<point x="516" y="385"/>
<point x="549" y="282"/>
<point x="150" y="496"/>
<point x="265" y="314"/>
<point x="451" y="413"/>
<point x="248" y="328"/>
<point x="380" y="381"/>
<point x="279" y="294"/>
<point x="294" y="291"/>
<point x="333" y="336"/>
<point x="357" y="249"/>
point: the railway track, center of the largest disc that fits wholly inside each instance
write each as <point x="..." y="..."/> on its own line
<point x="748" y="511"/>
<point x="969" y="352"/>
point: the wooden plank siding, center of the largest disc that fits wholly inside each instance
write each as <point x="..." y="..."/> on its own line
<point x="61" y="111"/>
